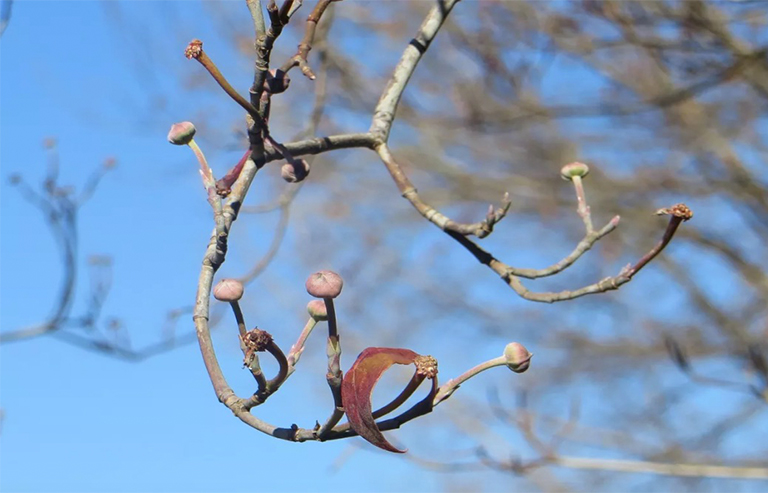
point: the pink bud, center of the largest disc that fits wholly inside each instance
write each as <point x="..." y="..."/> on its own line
<point x="324" y="284"/>
<point x="317" y="310"/>
<point x="181" y="133"/>
<point x="296" y="171"/>
<point x="228" y="290"/>
<point x="517" y="356"/>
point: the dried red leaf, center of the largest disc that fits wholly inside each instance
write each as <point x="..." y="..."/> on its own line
<point x="357" y="387"/>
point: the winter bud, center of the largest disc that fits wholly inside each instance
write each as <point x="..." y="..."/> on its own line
<point x="277" y="81"/>
<point x="296" y="171"/>
<point x="569" y="171"/>
<point x="317" y="310"/>
<point x="228" y="290"/>
<point x="517" y="356"/>
<point x="324" y="284"/>
<point x="181" y="133"/>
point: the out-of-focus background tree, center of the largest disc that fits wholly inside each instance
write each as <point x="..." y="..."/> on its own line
<point x="629" y="390"/>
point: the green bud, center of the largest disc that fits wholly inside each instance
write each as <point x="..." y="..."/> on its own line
<point x="181" y="133"/>
<point x="568" y="171"/>
<point x="317" y="310"/>
<point x="517" y="356"/>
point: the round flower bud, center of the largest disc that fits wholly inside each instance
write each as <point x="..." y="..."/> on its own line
<point x="518" y="358"/>
<point x="324" y="284"/>
<point x="277" y="81"/>
<point x="568" y="171"/>
<point x="228" y="290"/>
<point x="295" y="172"/>
<point x="317" y="310"/>
<point x="181" y="133"/>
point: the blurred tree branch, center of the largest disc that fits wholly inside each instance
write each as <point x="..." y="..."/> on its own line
<point x="5" y="14"/>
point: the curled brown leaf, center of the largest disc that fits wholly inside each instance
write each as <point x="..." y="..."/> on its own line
<point x="357" y="387"/>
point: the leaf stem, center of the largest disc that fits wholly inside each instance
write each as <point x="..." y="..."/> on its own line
<point x="451" y="385"/>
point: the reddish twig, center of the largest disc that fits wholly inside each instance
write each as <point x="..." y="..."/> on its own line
<point x="679" y="213"/>
<point x="195" y="50"/>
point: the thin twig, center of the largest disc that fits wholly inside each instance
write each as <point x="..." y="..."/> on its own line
<point x="449" y="387"/>
<point x="581" y="248"/>
<point x="300" y="58"/>
<point x="265" y="40"/>
<point x="241" y="327"/>
<point x="195" y="50"/>
<point x="607" y="284"/>
<point x="209" y="182"/>
<point x="384" y="113"/>
<point x="583" y="208"/>
<point x="318" y="145"/>
<point x="679" y="213"/>
<point x="334" y="375"/>
<point x="480" y="229"/>
<point x="254" y="7"/>
<point x="282" y="372"/>
<point x="298" y="348"/>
